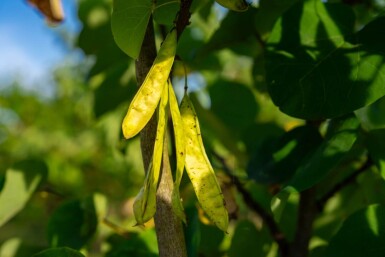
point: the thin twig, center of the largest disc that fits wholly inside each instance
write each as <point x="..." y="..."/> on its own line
<point x="322" y="201"/>
<point x="117" y="229"/>
<point x="272" y="226"/>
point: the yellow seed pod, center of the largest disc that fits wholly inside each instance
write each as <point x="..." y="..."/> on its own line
<point x="160" y="132"/>
<point x="180" y="153"/>
<point x="199" y="169"/>
<point x="145" y="202"/>
<point x="147" y="98"/>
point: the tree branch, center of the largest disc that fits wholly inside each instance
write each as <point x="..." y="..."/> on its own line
<point x="143" y="64"/>
<point x="183" y="19"/>
<point x="307" y="211"/>
<point x="275" y="232"/>
<point x="322" y="201"/>
<point x="168" y="226"/>
<point x="169" y="229"/>
<point x="272" y="226"/>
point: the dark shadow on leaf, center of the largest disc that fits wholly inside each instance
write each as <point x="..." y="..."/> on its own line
<point x="277" y="160"/>
<point x="361" y="234"/>
<point x="113" y="91"/>
<point x="318" y="68"/>
<point x="132" y="246"/>
<point x="73" y="224"/>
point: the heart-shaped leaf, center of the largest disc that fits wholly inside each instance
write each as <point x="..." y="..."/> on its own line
<point x="129" y="22"/>
<point x="318" y="67"/>
<point x="21" y="181"/>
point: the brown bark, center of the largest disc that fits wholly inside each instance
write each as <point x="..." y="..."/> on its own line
<point x="169" y="229"/>
<point x="307" y="212"/>
<point x="143" y="64"/>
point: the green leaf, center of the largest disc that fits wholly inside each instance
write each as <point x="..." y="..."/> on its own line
<point x="189" y="46"/>
<point x="21" y="181"/>
<point x="139" y="244"/>
<point x="228" y="35"/>
<point x="317" y="67"/>
<point x="73" y="223"/>
<point x="211" y="239"/>
<point x="376" y="149"/>
<point x="108" y="56"/>
<point x="372" y="116"/>
<point x="165" y="11"/>
<point x="278" y="203"/>
<point x="353" y="161"/>
<point x="192" y="232"/>
<point x="233" y="103"/>
<point x="95" y="17"/>
<point x="129" y="22"/>
<point x="372" y="187"/>
<point x="276" y="161"/>
<point x="373" y="139"/>
<point x="340" y="138"/>
<point x="255" y="136"/>
<point x="59" y="252"/>
<point x="115" y="89"/>
<point x="362" y="234"/>
<point x="284" y="207"/>
<point x="95" y="37"/>
<point x="268" y="13"/>
<point x="381" y="167"/>
<point x="248" y="241"/>
<point x="260" y="194"/>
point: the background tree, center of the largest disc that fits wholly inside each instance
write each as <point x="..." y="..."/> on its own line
<point x="289" y="95"/>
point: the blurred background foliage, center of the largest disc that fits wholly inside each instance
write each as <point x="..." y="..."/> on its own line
<point x="68" y="178"/>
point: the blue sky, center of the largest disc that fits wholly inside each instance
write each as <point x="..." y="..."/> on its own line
<point x="29" y="48"/>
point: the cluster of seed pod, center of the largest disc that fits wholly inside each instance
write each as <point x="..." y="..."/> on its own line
<point x="156" y="92"/>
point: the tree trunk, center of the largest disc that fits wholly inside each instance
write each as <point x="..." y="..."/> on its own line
<point x="169" y="229"/>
